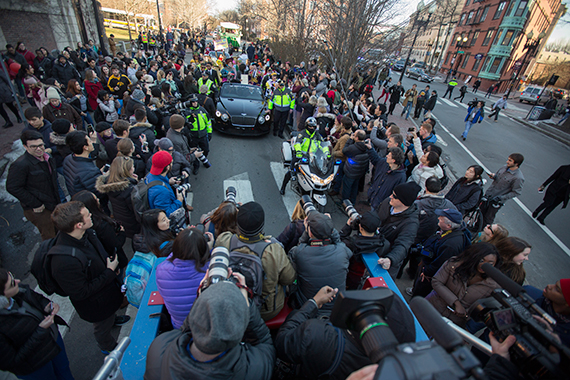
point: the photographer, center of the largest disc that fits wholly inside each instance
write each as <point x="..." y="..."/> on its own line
<point x="366" y="240"/>
<point x="302" y="338"/>
<point x="211" y="342"/>
<point x="387" y="174"/>
<point x="320" y="258"/>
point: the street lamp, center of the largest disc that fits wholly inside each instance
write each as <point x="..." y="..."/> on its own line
<point x="420" y="24"/>
<point x="461" y="41"/>
<point x="530" y="46"/>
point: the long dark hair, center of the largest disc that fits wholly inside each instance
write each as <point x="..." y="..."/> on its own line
<point x="90" y="201"/>
<point x="154" y="237"/>
<point x="469" y="259"/>
<point x="510" y="247"/>
<point x="478" y="172"/>
<point x="191" y="244"/>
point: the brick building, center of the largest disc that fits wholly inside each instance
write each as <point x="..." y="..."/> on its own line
<point x="496" y="32"/>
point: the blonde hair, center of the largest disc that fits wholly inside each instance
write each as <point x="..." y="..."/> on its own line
<point x="160" y="75"/>
<point x="298" y="212"/>
<point x="120" y="169"/>
<point x="313" y="100"/>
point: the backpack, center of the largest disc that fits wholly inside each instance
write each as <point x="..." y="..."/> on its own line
<point x="41" y="265"/>
<point x="139" y="197"/>
<point x="250" y="265"/>
<point x="137" y="274"/>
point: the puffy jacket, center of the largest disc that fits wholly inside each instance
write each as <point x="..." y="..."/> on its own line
<point x="384" y="179"/>
<point x="80" y="173"/>
<point x="279" y="272"/>
<point x="291" y="234"/>
<point x="421" y="173"/>
<point x="465" y="195"/>
<point x="400" y="230"/>
<point x="24" y="346"/>
<point x="178" y="282"/>
<point x="319" y="265"/>
<point x="33" y="182"/>
<point x="94" y="290"/>
<point x="427" y="205"/>
<point x="162" y="197"/>
<point x="120" y="196"/>
<point x="356" y="159"/>
<point x="168" y="358"/>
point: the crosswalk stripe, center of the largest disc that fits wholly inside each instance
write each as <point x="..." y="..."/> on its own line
<point x="290" y="199"/>
<point x="241" y="183"/>
<point x="449" y="102"/>
<point x="463" y="105"/>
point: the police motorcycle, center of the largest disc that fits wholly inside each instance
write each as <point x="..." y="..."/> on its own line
<point x="314" y="172"/>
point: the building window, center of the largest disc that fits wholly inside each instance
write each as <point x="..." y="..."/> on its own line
<point x="467" y="2"/>
<point x="510" y="10"/>
<point x="484" y="15"/>
<point x="477" y="16"/>
<point x="521" y="9"/>
<point x="476" y="64"/>
<point x="486" y="64"/>
<point x="487" y="37"/>
<point x="499" y="10"/>
<point x="497" y="36"/>
<point x="462" y="19"/>
<point x="470" y="17"/>
<point x="447" y="58"/>
<point x="465" y="60"/>
<point x="474" y="39"/>
<point x="509" y="37"/>
<point x="495" y="65"/>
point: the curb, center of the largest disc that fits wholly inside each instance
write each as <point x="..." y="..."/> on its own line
<point x="545" y="129"/>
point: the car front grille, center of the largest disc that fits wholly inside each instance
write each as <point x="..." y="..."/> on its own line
<point x="243" y="120"/>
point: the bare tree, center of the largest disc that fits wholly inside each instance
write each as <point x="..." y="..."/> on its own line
<point x="447" y="13"/>
<point x="191" y="12"/>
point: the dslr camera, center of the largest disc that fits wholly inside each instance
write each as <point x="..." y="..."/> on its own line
<point x="352" y="213"/>
<point x="307" y="204"/>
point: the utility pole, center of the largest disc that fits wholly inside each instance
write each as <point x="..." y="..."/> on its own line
<point x="420" y="24"/>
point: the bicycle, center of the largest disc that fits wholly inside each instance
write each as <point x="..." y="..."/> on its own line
<point x="474" y="218"/>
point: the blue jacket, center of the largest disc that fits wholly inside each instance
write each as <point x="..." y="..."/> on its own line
<point x="479" y="116"/>
<point x="383" y="179"/>
<point x="162" y="197"/>
<point x="80" y="174"/>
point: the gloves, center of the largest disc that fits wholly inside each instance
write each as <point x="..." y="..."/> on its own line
<point x="495" y="200"/>
<point x="209" y="136"/>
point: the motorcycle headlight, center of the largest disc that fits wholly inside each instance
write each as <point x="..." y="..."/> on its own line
<point x="267" y="117"/>
<point x="261" y="120"/>
<point x="218" y="114"/>
<point x="225" y="117"/>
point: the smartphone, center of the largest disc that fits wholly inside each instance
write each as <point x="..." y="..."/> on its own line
<point x="412" y="129"/>
<point x="51" y="307"/>
<point x="90" y="129"/>
<point x="106" y="168"/>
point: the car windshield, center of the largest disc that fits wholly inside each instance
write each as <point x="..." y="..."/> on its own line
<point x="241" y="92"/>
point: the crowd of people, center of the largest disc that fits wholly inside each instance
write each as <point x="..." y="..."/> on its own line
<point x="125" y="173"/>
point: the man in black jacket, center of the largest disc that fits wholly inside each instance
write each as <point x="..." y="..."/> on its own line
<point x="355" y="166"/>
<point x="86" y="273"/>
<point x="63" y="71"/>
<point x="399" y="217"/>
<point x="32" y="179"/>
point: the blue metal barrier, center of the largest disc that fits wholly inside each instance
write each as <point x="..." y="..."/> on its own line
<point x="143" y="332"/>
<point x="371" y="261"/>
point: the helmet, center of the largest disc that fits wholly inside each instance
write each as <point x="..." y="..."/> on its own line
<point x="193" y="98"/>
<point x="311" y="122"/>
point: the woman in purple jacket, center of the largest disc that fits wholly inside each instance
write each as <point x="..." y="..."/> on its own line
<point x="178" y="277"/>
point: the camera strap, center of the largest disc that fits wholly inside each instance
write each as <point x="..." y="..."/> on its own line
<point x="339" y="351"/>
<point x="319" y="242"/>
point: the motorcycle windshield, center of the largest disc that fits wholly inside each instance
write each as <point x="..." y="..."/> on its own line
<point x="320" y="161"/>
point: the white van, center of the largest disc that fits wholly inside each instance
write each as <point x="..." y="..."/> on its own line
<point x="532" y="92"/>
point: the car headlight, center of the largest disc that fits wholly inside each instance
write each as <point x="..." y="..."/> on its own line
<point x="225" y="117"/>
<point x="267" y="117"/>
<point x="218" y="114"/>
<point x="261" y="120"/>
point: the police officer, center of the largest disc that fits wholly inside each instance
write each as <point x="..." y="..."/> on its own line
<point x="200" y="127"/>
<point x="205" y="80"/>
<point x="309" y="140"/>
<point x="450" y="86"/>
<point x="283" y="103"/>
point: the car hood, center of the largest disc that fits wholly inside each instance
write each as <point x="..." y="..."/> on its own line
<point x="242" y="107"/>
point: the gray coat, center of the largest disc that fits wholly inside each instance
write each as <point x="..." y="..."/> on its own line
<point x="506" y="184"/>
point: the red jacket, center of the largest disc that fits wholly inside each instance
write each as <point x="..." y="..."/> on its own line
<point x="92" y="89"/>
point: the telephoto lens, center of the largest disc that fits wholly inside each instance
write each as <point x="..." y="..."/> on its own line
<point x="350" y="210"/>
<point x="185" y="187"/>
<point x="205" y="161"/>
<point x="308" y="205"/>
<point x="218" y="269"/>
<point x="231" y="194"/>
<point x="182" y="105"/>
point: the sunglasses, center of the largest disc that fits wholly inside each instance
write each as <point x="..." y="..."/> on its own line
<point x="490" y="229"/>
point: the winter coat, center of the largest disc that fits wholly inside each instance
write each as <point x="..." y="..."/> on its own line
<point x="178" y="282"/>
<point x="111" y="240"/>
<point x="109" y="110"/>
<point x="179" y="164"/>
<point x="559" y="185"/>
<point x="92" y="89"/>
<point x="64" y="111"/>
<point x="356" y="163"/>
<point x="60" y="149"/>
<point x="64" y="73"/>
<point x="319" y="265"/>
<point x="150" y="115"/>
<point x="291" y="234"/>
<point x="384" y="179"/>
<point x="24" y="346"/>
<point x="33" y="182"/>
<point x="422" y="172"/>
<point x="94" y="290"/>
<point x="45" y="131"/>
<point x="396" y="92"/>
<point x="478" y="117"/>
<point x="279" y="272"/>
<point x="120" y="197"/>
<point x="340" y="144"/>
<point x="142" y="128"/>
<point x="506" y="184"/>
<point x="465" y="195"/>
<point x="442" y="246"/>
<point x="80" y="173"/>
<point x="380" y="145"/>
<point x="400" y="230"/>
<point x="168" y="358"/>
<point x="430" y="103"/>
<point x="427" y="205"/>
<point x="162" y="196"/>
<point x="5" y="91"/>
<point x="76" y="103"/>
<point x="411" y="96"/>
<point x="179" y="141"/>
<point x="447" y="290"/>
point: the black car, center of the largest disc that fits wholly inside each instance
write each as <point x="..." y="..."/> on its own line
<point x="242" y="110"/>
<point x="419" y="74"/>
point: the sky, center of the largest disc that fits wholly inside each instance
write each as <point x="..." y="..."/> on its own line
<point x="561" y="32"/>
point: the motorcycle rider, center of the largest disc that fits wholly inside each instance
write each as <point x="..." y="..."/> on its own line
<point x="307" y="141"/>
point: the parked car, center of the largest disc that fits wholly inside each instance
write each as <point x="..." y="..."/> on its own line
<point x="399" y="65"/>
<point x="242" y="110"/>
<point x="532" y="92"/>
<point x="420" y="65"/>
<point x="419" y="74"/>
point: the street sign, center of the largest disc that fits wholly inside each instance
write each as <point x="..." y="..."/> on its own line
<point x="478" y="56"/>
<point x="460" y="52"/>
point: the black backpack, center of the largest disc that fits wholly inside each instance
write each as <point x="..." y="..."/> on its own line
<point x="250" y="265"/>
<point x="41" y="265"/>
<point x="139" y="197"/>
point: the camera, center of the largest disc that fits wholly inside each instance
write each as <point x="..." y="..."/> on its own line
<point x="204" y="160"/>
<point x="182" y="105"/>
<point x="184" y="187"/>
<point x="218" y="269"/>
<point x="351" y="212"/>
<point x="231" y="194"/>
<point x="307" y="204"/>
<point x="412" y="129"/>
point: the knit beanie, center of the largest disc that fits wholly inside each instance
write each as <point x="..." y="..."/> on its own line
<point x="176" y="121"/>
<point x="61" y="126"/>
<point x="102" y="126"/>
<point x="407" y="192"/>
<point x="250" y="219"/>
<point x="52" y="93"/>
<point x="138" y="94"/>
<point x="218" y="318"/>
<point x="164" y="143"/>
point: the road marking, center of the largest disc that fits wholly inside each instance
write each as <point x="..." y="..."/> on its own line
<point x="517" y="201"/>
<point x="244" y="192"/>
<point x="463" y="105"/>
<point x="449" y="102"/>
<point x="290" y="198"/>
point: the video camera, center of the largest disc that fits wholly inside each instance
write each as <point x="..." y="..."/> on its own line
<point x="473" y="103"/>
<point x="364" y="312"/>
<point x="510" y="312"/>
